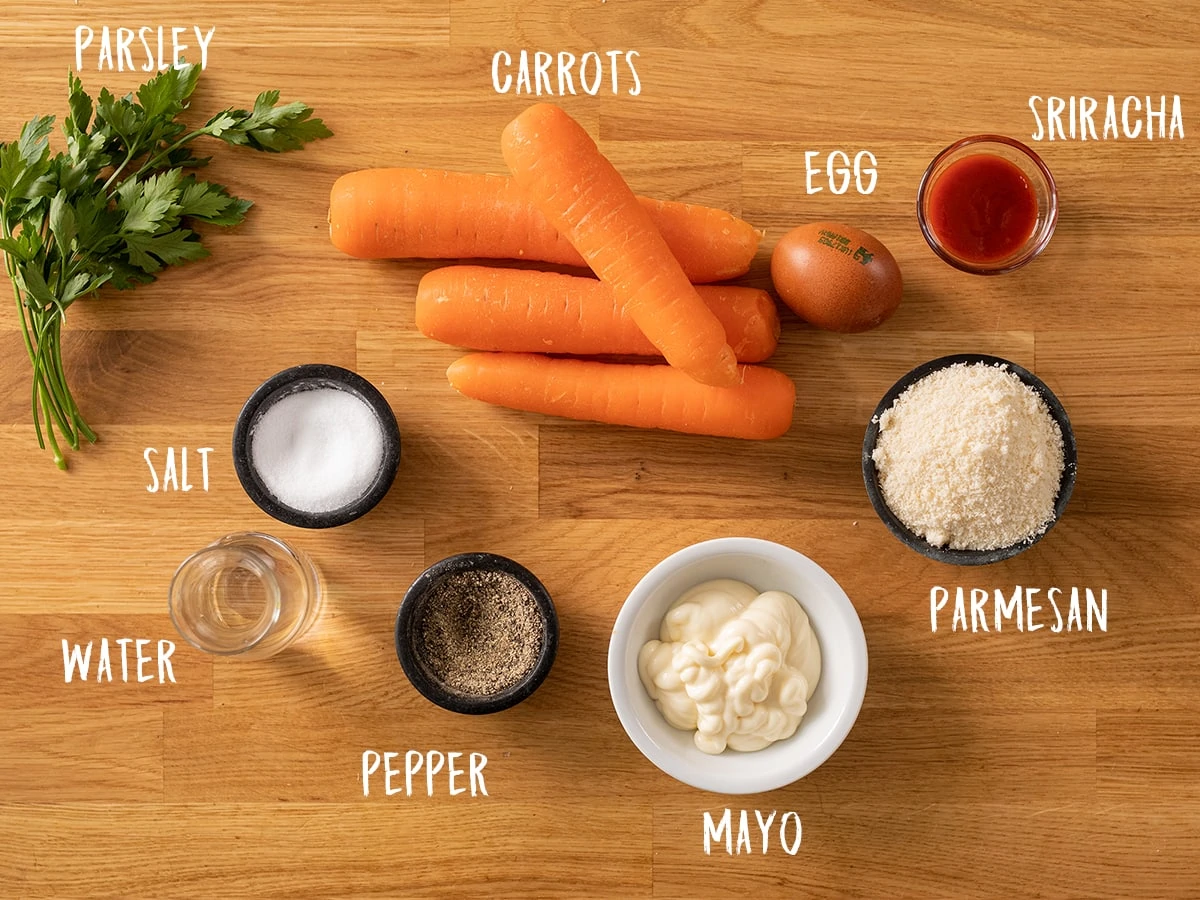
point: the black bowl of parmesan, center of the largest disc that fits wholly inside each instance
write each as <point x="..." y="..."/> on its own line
<point x="476" y="633"/>
<point x="969" y="459"/>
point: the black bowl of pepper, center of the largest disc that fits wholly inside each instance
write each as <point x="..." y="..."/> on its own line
<point x="476" y="633"/>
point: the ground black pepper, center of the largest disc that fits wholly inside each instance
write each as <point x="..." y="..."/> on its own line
<point x="478" y="632"/>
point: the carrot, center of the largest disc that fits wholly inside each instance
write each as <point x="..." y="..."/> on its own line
<point x="426" y="213"/>
<point x="522" y="310"/>
<point x="559" y="166"/>
<point x="757" y="408"/>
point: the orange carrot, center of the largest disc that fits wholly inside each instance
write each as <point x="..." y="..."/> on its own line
<point x="427" y="213"/>
<point x="559" y="166"/>
<point x="524" y="311"/>
<point x="757" y="408"/>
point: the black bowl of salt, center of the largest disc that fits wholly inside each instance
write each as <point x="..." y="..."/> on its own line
<point x="476" y="633"/>
<point x="316" y="446"/>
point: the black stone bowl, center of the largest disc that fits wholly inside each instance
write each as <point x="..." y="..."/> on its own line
<point x="918" y="543"/>
<point x="303" y="378"/>
<point x="410" y="653"/>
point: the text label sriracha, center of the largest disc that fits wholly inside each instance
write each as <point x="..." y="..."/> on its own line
<point x="1083" y="115"/>
<point x="548" y="74"/>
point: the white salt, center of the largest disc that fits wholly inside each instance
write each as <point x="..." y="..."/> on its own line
<point x="317" y="450"/>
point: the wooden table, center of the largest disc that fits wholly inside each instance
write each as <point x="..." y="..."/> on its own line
<point x="982" y="765"/>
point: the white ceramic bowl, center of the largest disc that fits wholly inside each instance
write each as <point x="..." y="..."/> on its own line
<point x="831" y="711"/>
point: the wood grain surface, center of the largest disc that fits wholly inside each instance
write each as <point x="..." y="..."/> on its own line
<point x="982" y="765"/>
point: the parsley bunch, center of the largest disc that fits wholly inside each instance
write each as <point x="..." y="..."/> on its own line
<point x="115" y="208"/>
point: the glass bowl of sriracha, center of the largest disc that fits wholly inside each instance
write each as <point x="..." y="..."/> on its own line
<point x="987" y="204"/>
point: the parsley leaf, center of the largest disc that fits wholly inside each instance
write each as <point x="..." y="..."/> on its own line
<point x="147" y="204"/>
<point x="210" y="203"/>
<point x="268" y="126"/>
<point x="150" y="253"/>
<point x="165" y="97"/>
<point x="62" y="222"/>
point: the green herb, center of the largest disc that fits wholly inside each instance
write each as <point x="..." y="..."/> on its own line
<point x="115" y="208"/>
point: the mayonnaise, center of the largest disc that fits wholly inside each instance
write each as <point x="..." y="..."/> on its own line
<point x="735" y="665"/>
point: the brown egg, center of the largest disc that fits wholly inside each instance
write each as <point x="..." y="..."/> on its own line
<point x="836" y="277"/>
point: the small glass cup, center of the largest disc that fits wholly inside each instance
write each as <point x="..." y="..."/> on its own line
<point x="1034" y="170"/>
<point x="247" y="595"/>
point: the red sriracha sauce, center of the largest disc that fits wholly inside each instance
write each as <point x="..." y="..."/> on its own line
<point x="982" y="208"/>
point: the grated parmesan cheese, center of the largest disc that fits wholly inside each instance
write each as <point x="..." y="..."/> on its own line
<point x="969" y="457"/>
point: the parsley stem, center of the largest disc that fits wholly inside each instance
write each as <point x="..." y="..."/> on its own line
<point x="63" y="389"/>
<point x="151" y="161"/>
<point x="154" y="160"/>
<point x="59" y="459"/>
<point x="37" y="418"/>
<point x="11" y="267"/>
<point x="20" y="308"/>
<point x="117" y="171"/>
<point x="45" y="373"/>
<point x="56" y="383"/>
